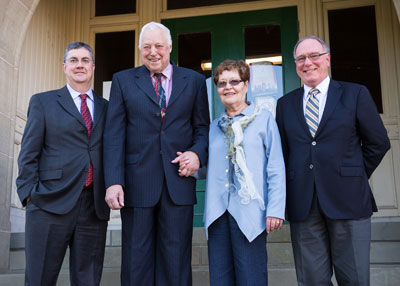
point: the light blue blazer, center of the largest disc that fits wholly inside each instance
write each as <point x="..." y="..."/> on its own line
<point x="264" y="158"/>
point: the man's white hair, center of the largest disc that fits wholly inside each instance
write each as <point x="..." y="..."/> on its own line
<point x="154" y="26"/>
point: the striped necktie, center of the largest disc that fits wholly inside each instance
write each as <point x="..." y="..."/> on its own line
<point x="312" y="111"/>
<point x="87" y="118"/>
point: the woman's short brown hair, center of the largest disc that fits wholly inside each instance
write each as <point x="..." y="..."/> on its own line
<point x="230" y="65"/>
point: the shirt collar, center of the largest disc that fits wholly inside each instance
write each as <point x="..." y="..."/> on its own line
<point x="75" y="93"/>
<point x="247" y="111"/>
<point x="167" y="72"/>
<point x="322" y="87"/>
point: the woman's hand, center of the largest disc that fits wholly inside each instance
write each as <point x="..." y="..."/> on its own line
<point x="188" y="162"/>
<point x="273" y="223"/>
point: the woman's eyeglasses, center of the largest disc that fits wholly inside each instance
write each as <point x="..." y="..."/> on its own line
<point x="233" y="82"/>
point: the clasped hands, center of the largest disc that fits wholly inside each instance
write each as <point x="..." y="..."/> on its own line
<point x="188" y="162"/>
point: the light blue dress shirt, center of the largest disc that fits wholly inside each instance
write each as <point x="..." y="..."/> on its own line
<point x="264" y="158"/>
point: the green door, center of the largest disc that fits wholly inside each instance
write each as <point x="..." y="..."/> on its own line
<point x="265" y="37"/>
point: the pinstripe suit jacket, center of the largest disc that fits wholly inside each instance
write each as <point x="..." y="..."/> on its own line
<point x="139" y="146"/>
<point x="56" y="151"/>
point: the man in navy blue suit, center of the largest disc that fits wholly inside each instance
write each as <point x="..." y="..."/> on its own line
<point x="158" y="115"/>
<point x="333" y="139"/>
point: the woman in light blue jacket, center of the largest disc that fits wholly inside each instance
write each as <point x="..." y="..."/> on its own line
<point x="245" y="194"/>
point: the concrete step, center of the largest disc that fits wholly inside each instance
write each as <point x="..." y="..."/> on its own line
<point x="385" y="258"/>
<point x="387" y="275"/>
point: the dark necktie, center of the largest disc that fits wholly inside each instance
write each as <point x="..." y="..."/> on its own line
<point x="312" y="111"/>
<point x="160" y="92"/>
<point x="87" y="118"/>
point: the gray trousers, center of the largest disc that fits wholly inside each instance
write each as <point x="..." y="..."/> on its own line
<point x="48" y="236"/>
<point x="321" y="244"/>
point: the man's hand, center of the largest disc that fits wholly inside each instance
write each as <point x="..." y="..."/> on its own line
<point x="188" y="161"/>
<point x="115" y="197"/>
<point x="273" y="223"/>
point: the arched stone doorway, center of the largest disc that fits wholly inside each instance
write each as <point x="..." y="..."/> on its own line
<point x="15" y="17"/>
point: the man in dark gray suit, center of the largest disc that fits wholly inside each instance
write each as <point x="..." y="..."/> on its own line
<point x="155" y="111"/>
<point x="60" y="177"/>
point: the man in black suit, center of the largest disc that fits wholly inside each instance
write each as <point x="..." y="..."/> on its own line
<point x="333" y="139"/>
<point x="60" y="177"/>
<point x="156" y="111"/>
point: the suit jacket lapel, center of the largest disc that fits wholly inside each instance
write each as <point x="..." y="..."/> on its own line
<point x="300" y="110"/>
<point x="334" y="94"/>
<point x="98" y="110"/>
<point x="143" y="81"/>
<point x="68" y="104"/>
<point x="179" y="83"/>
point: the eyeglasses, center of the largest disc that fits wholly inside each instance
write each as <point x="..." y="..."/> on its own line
<point x="233" y="82"/>
<point x="75" y="61"/>
<point x="312" y="57"/>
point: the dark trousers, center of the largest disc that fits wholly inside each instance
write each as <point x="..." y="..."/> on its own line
<point x="157" y="244"/>
<point x="321" y="244"/>
<point x="233" y="260"/>
<point x="47" y="237"/>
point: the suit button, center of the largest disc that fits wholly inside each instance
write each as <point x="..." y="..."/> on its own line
<point x="158" y="114"/>
<point x="311" y="166"/>
<point x="162" y="132"/>
<point x="313" y="143"/>
<point x="160" y="152"/>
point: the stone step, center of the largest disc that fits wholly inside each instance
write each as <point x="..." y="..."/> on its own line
<point x="385" y="257"/>
<point x="387" y="275"/>
<point x="279" y="254"/>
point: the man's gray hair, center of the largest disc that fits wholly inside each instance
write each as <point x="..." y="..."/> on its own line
<point x="153" y="26"/>
<point x="324" y="45"/>
<point x="78" y="45"/>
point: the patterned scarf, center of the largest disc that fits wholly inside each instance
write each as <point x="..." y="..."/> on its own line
<point x="233" y="131"/>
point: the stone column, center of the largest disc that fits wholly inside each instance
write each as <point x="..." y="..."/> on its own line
<point x="14" y="19"/>
<point x="397" y="6"/>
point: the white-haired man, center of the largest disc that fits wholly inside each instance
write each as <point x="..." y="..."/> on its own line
<point x="156" y="112"/>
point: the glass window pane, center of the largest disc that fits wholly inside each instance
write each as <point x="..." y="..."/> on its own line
<point x="115" y="7"/>
<point x="180" y="4"/>
<point x="194" y="52"/>
<point x="354" y="48"/>
<point x="264" y="55"/>
<point x="114" y="52"/>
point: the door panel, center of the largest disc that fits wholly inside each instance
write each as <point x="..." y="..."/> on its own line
<point x="228" y="41"/>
